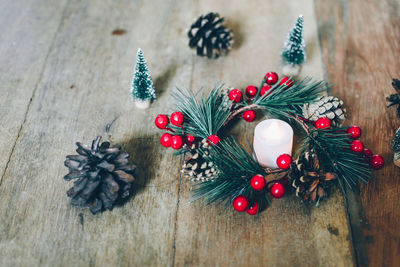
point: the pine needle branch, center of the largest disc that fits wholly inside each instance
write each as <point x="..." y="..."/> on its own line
<point x="205" y="116"/>
<point x="236" y="167"/>
<point x="332" y="148"/>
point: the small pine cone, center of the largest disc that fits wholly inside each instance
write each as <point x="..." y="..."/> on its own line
<point x="103" y="176"/>
<point x="306" y="176"/>
<point x="209" y="36"/>
<point x="326" y="106"/>
<point x="225" y="100"/>
<point x="195" y="167"/>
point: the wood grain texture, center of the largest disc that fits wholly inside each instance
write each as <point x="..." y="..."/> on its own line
<point x="360" y="44"/>
<point x="38" y="226"/>
<point x="83" y="87"/>
<point x="28" y="30"/>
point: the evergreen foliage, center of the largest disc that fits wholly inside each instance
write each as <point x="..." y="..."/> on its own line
<point x="205" y="116"/>
<point x="142" y="89"/>
<point x="396" y="141"/>
<point x="293" y="51"/>
<point x="334" y="155"/>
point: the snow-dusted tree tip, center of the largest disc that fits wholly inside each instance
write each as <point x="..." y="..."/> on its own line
<point x="142" y="87"/>
<point x="293" y="52"/>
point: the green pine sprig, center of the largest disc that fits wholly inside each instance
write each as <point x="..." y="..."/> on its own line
<point x="204" y="116"/>
<point x="286" y="102"/>
<point x="236" y="167"/>
<point x="332" y="149"/>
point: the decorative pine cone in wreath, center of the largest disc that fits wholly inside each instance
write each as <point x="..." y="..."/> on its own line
<point x="309" y="180"/>
<point x="195" y="167"/>
<point x="103" y="176"/>
<point x="209" y="36"/>
<point x="326" y="106"/>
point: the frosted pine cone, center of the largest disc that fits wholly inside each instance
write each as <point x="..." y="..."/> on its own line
<point x="326" y="106"/>
<point x="195" y="167"/>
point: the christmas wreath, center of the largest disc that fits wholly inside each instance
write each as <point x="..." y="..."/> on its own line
<point x="226" y="171"/>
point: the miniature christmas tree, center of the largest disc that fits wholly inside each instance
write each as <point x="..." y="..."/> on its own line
<point x="142" y="89"/>
<point x="293" y="52"/>
<point x="396" y="148"/>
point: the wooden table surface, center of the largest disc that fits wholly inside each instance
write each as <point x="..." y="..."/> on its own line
<point x="64" y="76"/>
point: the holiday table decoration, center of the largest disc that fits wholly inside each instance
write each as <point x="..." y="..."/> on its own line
<point x="142" y="88"/>
<point x="225" y="171"/>
<point x="103" y="176"/>
<point x="209" y="36"/>
<point x="394" y="100"/>
<point x="294" y="52"/>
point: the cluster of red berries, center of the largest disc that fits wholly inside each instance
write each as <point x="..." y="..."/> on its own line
<point x="176" y="141"/>
<point x="258" y="183"/>
<point x="375" y="161"/>
<point x="271" y="78"/>
<point x="172" y="140"/>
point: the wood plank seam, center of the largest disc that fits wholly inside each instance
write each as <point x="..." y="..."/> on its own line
<point x="34" y="90"/>
<point x="176" y="214"/>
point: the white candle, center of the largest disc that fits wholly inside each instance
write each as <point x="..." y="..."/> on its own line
<point x="272" y="138"/>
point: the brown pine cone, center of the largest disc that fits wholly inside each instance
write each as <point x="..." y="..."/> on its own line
<point x="309" y="180"/>
<point x="103" y="176"/>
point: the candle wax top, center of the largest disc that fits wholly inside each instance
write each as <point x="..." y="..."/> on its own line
<point x="274" y="132"/>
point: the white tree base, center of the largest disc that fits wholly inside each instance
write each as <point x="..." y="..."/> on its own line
<point x="142" y="104"/>
<point x="291" y="70"/>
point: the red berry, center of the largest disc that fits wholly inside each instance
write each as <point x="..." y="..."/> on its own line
<point x="161" y="121"/>
<point x="367" y="152"/>
<point x="286" y="81"/>
<point x="284" y="161"/>
<point x="277" y="190"/>
<point x="357" y="146"/>
<point x="271" y="78"/>
<point x="253" y="209"/>
<point x="176" y="142"/>
<point x="251" y="91"/>
<point x="165" y="139"/>
<point x="265" y="89"/>
<point x="235" y="95"/>
<point x="257" y="182"/>
<point x="354" y="131"/>
<point x="177" y="118"/>
<point x="377" y="162"/>
<point x="190" y="138"/>
<point x="323" y="123"/>
<point x="240" y="203"/>
<point x="214" y="139"/>
<point x="249" y="115"/>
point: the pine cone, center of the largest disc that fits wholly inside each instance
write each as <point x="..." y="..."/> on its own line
<point x="225" y="100"/>
<point x="326" y="106"/>
<point x="306" y="176"/>
<point x="209" y="36"/>
<point x="103" y="176"/>
<point x="195" y="167"/>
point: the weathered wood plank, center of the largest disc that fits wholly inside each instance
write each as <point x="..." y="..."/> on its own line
<point x="28" y="30"/>
<point x="287" y="233"/>
<point x="84" y="86"/>
<point x="361" y="50"/>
